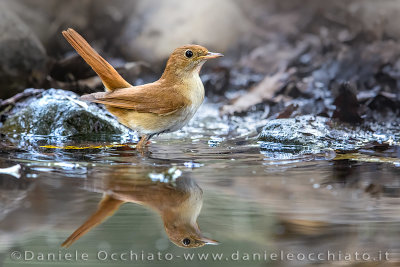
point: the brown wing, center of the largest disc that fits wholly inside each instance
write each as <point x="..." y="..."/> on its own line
<point x="148" y="98"/>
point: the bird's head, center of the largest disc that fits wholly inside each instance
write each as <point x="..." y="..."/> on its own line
<point x="188" y="59"/>
<point x="187" y="235"/>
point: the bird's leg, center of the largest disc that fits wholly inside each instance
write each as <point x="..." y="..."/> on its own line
<point x="144" y="140"/>
<point x="148" y="138"/>
<point x="142" y="143"/>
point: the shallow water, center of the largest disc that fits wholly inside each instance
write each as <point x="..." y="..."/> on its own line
<point x="256" y="202"/>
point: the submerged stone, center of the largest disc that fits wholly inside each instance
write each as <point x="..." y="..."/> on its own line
<point x="303" y="130"/>
<point x="60" y="113"/>
<point x="310" y="134"/>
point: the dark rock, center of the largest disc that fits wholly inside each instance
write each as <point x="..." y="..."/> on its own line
<point x="100" y="21"/>
<point x="216" y="80"/>
<point x="75" y="66"/>
<point x="382" y="103"/>
<point x="347" y="105"/>
<point x="22" y="57"/>
<point x="60" y="113"/>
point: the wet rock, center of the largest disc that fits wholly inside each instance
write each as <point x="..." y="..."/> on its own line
<point x="303" y="130"/>
<point x="60" y="113"/>
<point x="312" y="133"/>
<point x="22" y="57"/>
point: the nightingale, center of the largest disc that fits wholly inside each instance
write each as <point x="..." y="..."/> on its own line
<point x="178" y="203"/>
<point x="163" y="106"/>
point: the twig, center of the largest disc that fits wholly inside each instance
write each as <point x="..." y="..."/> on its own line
<point x="14" y="99"/>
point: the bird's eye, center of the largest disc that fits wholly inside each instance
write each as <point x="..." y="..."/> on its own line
<point x="189" y="54"/>
<point x="186" y="242"/>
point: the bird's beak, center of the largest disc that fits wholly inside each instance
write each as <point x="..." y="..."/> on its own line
<point x="211" y="55"/>
<point x="208" y="241"/>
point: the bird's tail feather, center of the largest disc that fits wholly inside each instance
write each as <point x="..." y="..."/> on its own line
<point x="106" y="208"/>
<point x="92" y="97"/>
<point x="110" y="77"/>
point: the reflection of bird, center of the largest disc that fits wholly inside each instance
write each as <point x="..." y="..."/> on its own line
<point x="178" y="205"/>
<point x="159" y="107"/>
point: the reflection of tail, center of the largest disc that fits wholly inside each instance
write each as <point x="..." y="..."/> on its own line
<point x="110" y="77"/>
<point x="106" y="208"/>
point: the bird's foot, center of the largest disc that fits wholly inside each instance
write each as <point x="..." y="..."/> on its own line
<point x="142" y="144"/>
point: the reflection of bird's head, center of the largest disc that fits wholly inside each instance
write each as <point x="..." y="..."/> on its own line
<point x="180" y="220"/>
<point x="187" y="235"/>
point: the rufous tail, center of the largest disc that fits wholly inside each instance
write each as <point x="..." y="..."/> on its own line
<point x="106" y="208"/>
<point x="110" y="77"/>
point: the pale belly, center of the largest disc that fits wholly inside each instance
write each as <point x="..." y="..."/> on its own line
<point x="149" y="123"/>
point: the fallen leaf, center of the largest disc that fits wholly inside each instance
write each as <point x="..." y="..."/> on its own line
<point x="288" y="111"/>
<point x="265" y="90"/>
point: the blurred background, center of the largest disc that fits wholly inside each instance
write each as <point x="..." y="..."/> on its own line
<point x="296" y="146"/>
<point x="311" y="47"/>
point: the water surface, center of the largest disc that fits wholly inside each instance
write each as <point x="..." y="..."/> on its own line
<point x="255" y="201"/>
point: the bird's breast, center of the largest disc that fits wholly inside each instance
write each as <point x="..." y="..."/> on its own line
<point x="195" y="94"/>
<point x="195" y="91"/>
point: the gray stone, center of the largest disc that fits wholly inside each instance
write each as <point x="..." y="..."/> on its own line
<point x="304" y="130"/>
<point x="311" y="134"/>
<point x="61" y="113"/>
